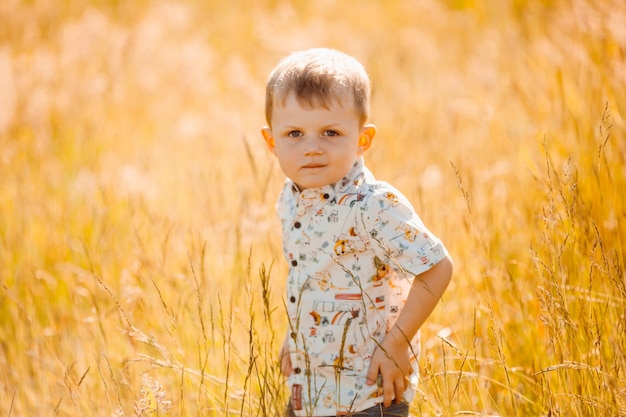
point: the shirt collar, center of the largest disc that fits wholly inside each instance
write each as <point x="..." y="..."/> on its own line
<point x="354" y="178"/>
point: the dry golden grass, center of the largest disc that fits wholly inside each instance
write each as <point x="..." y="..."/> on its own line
<point x="140" y="259"/>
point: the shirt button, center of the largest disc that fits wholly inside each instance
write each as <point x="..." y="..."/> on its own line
<point x="292" y="299"/>
<point x="297" y="370"/>
<point x="326" y="196"/>
<point x="294" y="263"/>
<point x="293" y="335"/>
<point x="297" y="225"/>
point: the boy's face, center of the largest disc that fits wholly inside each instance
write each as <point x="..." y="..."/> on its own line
<point x="317" y="147"/>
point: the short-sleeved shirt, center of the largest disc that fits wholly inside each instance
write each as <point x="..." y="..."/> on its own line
<point x="353" y="249"/>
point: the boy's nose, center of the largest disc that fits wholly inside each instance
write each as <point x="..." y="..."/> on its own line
<point x="312" y="147"/>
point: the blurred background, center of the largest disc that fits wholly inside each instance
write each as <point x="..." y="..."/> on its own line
<point x="141" y="268"/>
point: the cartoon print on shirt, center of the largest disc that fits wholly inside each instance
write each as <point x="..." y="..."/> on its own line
<point x="350" y="199"/>
<point x="382" y="270"/>
<point x="322" y="279"/>
<point x="349" y="242"/>
<point x="391" y="197"/>
<point x="410" y="233"/>
<point x="317" y="318"/>
<point x="353" y="354"/>
<point x="329" y="337"/>
<point x="328" y="398"/>
<point x="342" y="247"/>
<point x="344" y="321"/>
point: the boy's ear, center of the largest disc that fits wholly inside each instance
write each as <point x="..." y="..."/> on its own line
<point x="366" y="137"/>
<point x="269" y="139"/>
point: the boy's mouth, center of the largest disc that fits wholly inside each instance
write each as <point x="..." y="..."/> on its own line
<point x="313" y="166"/>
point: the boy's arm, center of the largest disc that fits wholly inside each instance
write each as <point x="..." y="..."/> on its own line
<point x="391" y="359"/>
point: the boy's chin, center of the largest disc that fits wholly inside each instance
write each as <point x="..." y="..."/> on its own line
<point x="308" y="182"/>
<point x="306" y="185"/>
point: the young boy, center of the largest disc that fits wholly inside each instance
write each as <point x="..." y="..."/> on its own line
<point x="364" y="271"/>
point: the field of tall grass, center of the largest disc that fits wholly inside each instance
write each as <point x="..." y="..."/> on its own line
<point x="140" y="256"/>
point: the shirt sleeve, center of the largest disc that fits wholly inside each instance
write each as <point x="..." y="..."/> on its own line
<point x="399" y="235"/>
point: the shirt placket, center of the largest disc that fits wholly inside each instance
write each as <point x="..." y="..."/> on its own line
<point x="296" y="236"/>
<point x="297" y="267"/>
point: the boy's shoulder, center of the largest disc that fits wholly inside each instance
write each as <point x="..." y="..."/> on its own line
<point x="382" y="192"/>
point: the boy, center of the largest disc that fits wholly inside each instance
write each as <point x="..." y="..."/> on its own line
<point x="364" y="271"/>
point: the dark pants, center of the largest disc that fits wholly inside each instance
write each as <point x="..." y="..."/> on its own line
<point x="400" y="409"/>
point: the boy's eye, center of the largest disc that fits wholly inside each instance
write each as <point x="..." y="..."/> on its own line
<point x="295" y="134"/>
<point x="331" y="133"/>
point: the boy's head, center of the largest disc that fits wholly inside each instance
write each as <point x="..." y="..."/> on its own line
<point x="317" y="107"/>
<point x="318" y="77"/>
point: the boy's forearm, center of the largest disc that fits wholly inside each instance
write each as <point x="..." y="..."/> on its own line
<point x="425" y="293"/>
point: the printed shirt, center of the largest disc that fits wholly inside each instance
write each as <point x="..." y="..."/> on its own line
<point x="353" y="249"/>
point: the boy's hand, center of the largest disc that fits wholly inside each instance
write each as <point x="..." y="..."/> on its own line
<point x="392" y="361"/>
<point x="285" y="359"/>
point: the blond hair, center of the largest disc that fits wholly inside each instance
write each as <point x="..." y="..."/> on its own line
<point x="319" y="76"/>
